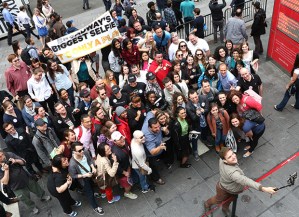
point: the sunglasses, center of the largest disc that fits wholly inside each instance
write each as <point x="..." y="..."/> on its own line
<point x="103" y="94"/>
<point x="180" y="55"/>
<point x="199" y="54"/>
<point x="80" y="150"/>
<point x="141" y="137"/>
<point x="183" y="45"/>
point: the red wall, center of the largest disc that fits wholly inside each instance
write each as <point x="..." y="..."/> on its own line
<point x="284" y="34"/>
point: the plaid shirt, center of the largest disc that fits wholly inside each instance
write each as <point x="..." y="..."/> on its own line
<point x="170" y="16"/>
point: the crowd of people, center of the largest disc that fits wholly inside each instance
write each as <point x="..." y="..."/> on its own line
<point x="157" y="96"/>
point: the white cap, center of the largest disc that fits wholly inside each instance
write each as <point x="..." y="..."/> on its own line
<point x="116" y="136"/>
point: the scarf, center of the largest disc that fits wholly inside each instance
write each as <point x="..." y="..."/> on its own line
<point x="30" y="111"/>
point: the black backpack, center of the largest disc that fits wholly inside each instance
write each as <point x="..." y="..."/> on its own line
<point x="25" y="56"/>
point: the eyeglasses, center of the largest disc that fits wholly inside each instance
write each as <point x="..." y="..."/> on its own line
<point x="16" y="60"/>
<point x="81" y="150"/>
<point x="183" y="45"/>
<point x="199" y="54"/>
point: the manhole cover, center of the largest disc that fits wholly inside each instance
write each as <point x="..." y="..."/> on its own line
<point x="245" y="199"/>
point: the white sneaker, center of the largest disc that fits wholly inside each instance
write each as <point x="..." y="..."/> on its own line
<point x="99" y="210"/>
<point x="130" y="195"/>
<point x="73" y="214"/>
<point x="35" y="211"/>
<point x="195" y="132"/>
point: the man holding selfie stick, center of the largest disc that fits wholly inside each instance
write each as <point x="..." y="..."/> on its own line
<point x="154" y="146"/>
<point x="232" y="182"/>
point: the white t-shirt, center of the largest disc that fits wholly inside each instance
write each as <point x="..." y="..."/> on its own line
<point x="201" y="44"/>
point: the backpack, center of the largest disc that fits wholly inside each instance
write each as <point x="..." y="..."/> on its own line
<point x="25" y="56"/>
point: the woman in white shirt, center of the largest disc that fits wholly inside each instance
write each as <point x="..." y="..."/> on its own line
<point x="47" y="9"/>
<point x="139" y="159"/>
<point x="40" y="90"/>
<point x="40" y="23"/>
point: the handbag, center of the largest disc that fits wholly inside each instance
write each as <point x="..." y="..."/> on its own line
<point x="105" y="180"/>
<point x="292" y="89"/>
<point x="253" y="115"/>
<point x="42" y="31"/>
<point x="141" y="170"/>
<point x="230" y="141"/>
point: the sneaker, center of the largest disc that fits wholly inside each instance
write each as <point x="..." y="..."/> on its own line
<point x="77" y="204"/>
<point x="46" y="198"/>
<point x="196" y="157"/>
<point x="73" y="214"/>
<point x="103" y="195"/>
<point x="114" y="199"/>
<point x="35" y="211"/>
<point x="99" y="210"/>
<point x="195" y="132"/>
<point x="130" y="195"/>
<point x="97" y="195"/>
<point x="145" y="191"/>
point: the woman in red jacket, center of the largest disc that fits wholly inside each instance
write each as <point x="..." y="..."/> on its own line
<point x="130" y="53"/>
<point x="218" y="121"/>
<point x="244" y="102"/>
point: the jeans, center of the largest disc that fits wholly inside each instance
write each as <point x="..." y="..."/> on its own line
<point x="86" y="3"/>
<point x="88" y="191"/>
<point x="153" y="164"/>
<point x="70" y="92"/>
<point x="220" y="138"/>
<point x="287" y="96"/>
<point x="10" y="32"/>
<point x="107" y="4"/>
<point x="188" y="25"/>
<point x="29" y="31"/>
<point x="220" y="24"/>
<point x="142" y="180"/>
<point x="255" y="139"/>
<point x="24" y="193"/>
<point x="258" y="44"/>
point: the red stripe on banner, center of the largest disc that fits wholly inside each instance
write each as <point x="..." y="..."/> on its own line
<point x="273" y="170"/>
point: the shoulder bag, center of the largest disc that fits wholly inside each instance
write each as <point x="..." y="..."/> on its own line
<point x="141" y="170"/>
<point x="105" y="180"/>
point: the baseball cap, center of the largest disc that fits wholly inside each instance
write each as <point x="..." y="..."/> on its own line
<point x="131" y="78"/>
<point x="84" y="93"/>
<point x="39" y="122"/>
<point x="69" y="23"/>
<point x="115" y="89"/>
<point x="150" y="76"/>
<point x="116" y="135"/>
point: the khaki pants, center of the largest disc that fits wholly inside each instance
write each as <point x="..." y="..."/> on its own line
<point x="221" y="195"/>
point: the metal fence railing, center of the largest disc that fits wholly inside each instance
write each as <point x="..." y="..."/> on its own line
<point x="248" y="15"/>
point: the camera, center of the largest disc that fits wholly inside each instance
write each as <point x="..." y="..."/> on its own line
<point x="120" y="61"/>
<point x="8" y="162"/>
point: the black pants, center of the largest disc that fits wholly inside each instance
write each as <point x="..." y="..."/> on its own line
<point x="29" y="31"/>
<point x="255" y="139"/>
<point x="107" y="4"/>
<point x="10" y="32"/>
<point x="218" y="24"/>
<point x="66" y="201"/>
<point x="32" y="158"/>
<point x="168" y="155"/>
<point x="49" y="102"/>
<point x="258" y="44"/>
<point x="154" y="164"/>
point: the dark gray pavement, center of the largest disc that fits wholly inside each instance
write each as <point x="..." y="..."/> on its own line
<point x="185" y="189"/>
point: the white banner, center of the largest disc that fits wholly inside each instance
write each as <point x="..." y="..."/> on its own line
<point x="93" y="37"/>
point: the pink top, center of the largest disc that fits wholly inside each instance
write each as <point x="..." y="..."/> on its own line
<point x="248" y="102"/>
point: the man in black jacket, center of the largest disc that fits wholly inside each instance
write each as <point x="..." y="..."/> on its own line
<point x="258" y="27"/>
<point x="217" y="17"/>
<point x="63" y="120"/>
<point x="136" y="114"/>
<point x="197" y="108"/>
<point x="19" y="143"/>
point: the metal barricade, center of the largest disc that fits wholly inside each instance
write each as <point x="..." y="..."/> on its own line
<point x="248" y="15"/>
